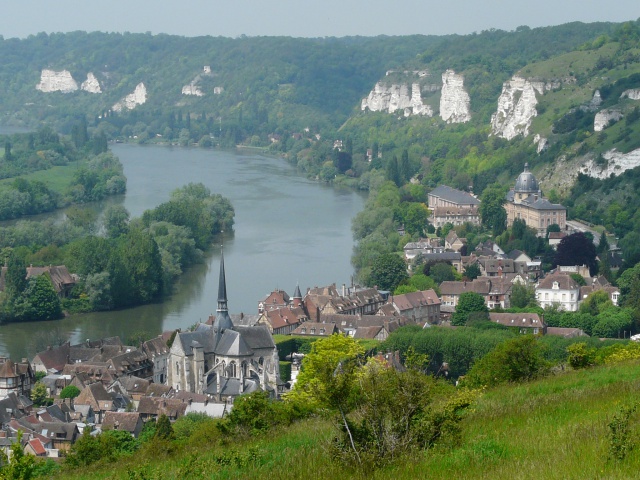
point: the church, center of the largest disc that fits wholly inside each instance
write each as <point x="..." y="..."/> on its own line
<point x="224" y="360"/>
<point x="525" y="201"/>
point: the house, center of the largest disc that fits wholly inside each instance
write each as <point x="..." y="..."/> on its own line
<point x="555" y="238"/>
<point x="423" y="246"/>
<point x="495" y="291"/>
<point x="496" y="267"/>
<point x="421" y="307"/>
<point x="96" y="397"/>
<point x="456" y="207"/>
<point x="157" y="351"/>
<point x="62" y="281"/>
<point x="151" y="408"/>
<point x="316" y="329"/>
<point x="15" y="378"/>
<point x="283" y="320"/>
<point x="134" y="387"/>
<point x="130" y="422"/>
<point x="276" y="299"/>
<point x="453" y="242"/>
<point x="524" y="322"/>
<point x="454" y="258"/>
<point x="224" y="360"/>
<point x="525" y="202"/>
<point x="613" y="292"/>
<point x="558" y="289"/>
<point x="352" y="301"/>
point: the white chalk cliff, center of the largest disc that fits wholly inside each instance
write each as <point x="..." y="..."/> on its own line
<point x="131" y="101"/>
<point x="516" y="107"/>
<point x="192" y="89"/>
<point x="616" y="164"/>
<point x="604" y="117"/>
<point x="91" y="84"/>
<point x="52" y="81"/>
<point x="454" y="100"/>
<point x="541" y="142"/>
<point x="633" y="94"/>
<point x="394" y="97"/>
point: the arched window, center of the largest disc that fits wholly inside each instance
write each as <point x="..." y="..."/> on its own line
<point x="231" y="371"/>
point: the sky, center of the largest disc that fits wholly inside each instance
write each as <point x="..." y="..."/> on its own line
<point x="301" y="18"/>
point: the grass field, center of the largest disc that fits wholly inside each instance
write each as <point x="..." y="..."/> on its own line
<point x="555" y="428"/>
<point x="56" y="178"/>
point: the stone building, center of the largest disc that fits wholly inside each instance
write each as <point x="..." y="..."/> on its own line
<point x="525" y="201"/>
<point x="224" y="360"/>
<point x="453" y="206"/>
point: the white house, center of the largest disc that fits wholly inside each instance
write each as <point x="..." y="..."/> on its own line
<point x="558" y="289"/>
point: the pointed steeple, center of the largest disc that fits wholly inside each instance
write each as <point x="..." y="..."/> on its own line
<point x="297" y="296"/>
<point x="222" y="287"/>
<point x="223" y="320"/>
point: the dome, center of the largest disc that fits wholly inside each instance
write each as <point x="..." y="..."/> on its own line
<point x="526" y="182"/>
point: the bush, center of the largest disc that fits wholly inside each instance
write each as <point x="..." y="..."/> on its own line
<point x="580" y="356"/>
<point x="70" y="391"/>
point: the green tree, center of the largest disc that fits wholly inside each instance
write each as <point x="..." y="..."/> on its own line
<point x="393" y="172"/>
<point x="21" y="466"/>
<point x="404" y="168"/>
<point x="472" y="271"/>
<point x="441" y="272"/>
<point x="492" y="212"/>
<point x="70" y="391"/>
<point x="516" y="360"/>
<point x="522" y="296"/>
<point x="388" y="271"/>
<point x="39" y="394"/>
<point x="43" y="299"/>
<point x="16" y="277"/>
<point x="415" y="218"/>
<point x="116" y="221"/>
<point x="164" y="431"/>
<point x="469" y="302"/>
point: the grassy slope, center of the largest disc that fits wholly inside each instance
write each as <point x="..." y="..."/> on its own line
<point x="555" y="428"/>
<point x="57" y="178"/>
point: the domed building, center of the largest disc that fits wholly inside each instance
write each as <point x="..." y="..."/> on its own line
<point x="525" y="201"/>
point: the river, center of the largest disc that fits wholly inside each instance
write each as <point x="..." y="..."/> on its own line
<point x="288" y="230"/>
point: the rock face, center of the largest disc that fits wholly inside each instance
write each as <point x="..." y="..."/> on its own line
<point x="394" y="97"/>
<point x="604" y="118"/>
<point x="542" y="143"/>
<point x="52" y="81"/>
<point x="615" y="164"/>
<point x="131" y="101"/>
<point x="91" y="84"/>
<point x="454" y="100"/>
<point x="631" y="94"/>
<point x="517" y="107"/>
<point x="192" y="89"/>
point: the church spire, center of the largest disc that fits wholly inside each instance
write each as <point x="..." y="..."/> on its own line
<point x="222" y="287"/>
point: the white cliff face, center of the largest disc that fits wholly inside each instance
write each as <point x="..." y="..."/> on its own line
<point x="192" y="89"/>
<point x="542" y="143"/>
<point x="516" y="107"/>
<point x="454" y="100"/>
<point x="391" y="98"/>
<point x="633" y="94"/>
<point x="604" y="118"/>
<point x="131" y="101"/>
<point x="91" y="84"/>
<point x="52" y="81"/>
<point x="616" y="163"/>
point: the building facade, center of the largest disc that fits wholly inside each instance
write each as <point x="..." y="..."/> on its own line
<point x="449" y="205"/>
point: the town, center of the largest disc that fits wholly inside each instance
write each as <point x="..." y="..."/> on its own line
<point x="103" y="384"/>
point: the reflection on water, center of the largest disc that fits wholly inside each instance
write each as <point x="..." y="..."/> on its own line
<point x="288" y="230"/>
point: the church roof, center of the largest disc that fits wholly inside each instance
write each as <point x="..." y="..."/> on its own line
<point x="201" y="336"/>
<point x="526" y="182"/>
<point x="232" y="344"/>
<point x="257" y="337"/>
<point x="454" y="196"/>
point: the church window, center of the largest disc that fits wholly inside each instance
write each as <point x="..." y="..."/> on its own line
<point x="232" y="369"/>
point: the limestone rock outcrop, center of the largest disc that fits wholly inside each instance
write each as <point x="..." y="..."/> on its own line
<point x="53" y="81"/>
<point x="516" y="107"/>
<point x="91" y="84"/>
<point x="633" y="94"/>
<point x="604" y="117"/>
<point x="394" y="97"/>
<point x="541" y="142"/>
<point x="454" y="99"/>
<point x="131" y="101"/>
<point x="192" y="89"/>
<point x="615" y="164"/>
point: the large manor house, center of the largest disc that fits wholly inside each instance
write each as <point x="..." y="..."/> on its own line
<point x="524" y="201"/>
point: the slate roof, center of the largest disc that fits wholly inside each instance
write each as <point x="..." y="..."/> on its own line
<point x="127" y="421"/>
<point x="367" y="332"/>
<point x="54" y="358"/>
<point x="155" y="347"/>
<point x="158" y="390"/>
<point x="319" y="329"/>
<point x="526" y="320"/>
<point x="409" y="301"/>
<point x="256" y="337"/>
<point x="94" y="395"/>
<point x="232" y="344"/>
<point x="134" y="385"/>
<point x="204" y="336"/>
<point x="565" y="282"/>
<point x="172" y="408"/>
<point x="454" y="196"/>
<point x="442" y="257"/>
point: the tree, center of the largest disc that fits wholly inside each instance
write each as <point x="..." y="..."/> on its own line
<point x="70" y="391"/>
<point x="516" y="360"/>
<point x="21" y="466"/>
<point x="393" y="173"/>
<point x="116" y="221"/>
<point x="388" y="271"/>
<point x="415" y="218"/>
<point x="164" y="431"/>
<point x="16" y="277"/>
<point x="441" y="272"/>
<point x="472" y="271"/>
<point x="577" y="249"/>
<point x="469" y="302"/>
<point x="39" y="394"/>
<point x="492" y="212"/>
<point x="44" y="301"/>
<point x="404" y="168"/>
<point x="522" y="296"/>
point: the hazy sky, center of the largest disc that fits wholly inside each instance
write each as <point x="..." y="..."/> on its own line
<point x="301" y="18"/>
